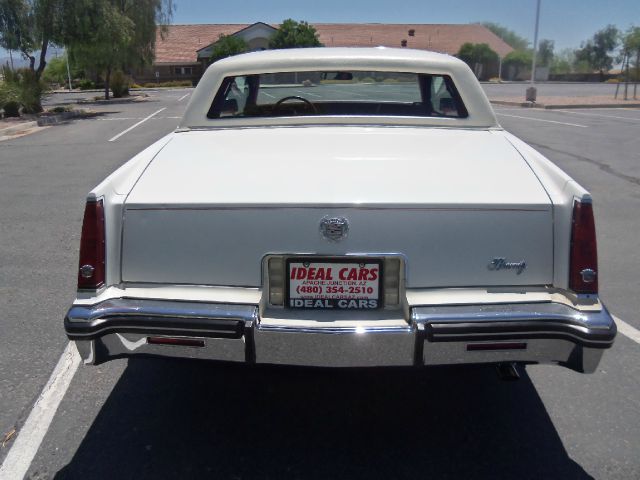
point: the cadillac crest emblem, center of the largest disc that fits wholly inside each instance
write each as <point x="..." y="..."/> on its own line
<point x="334" y="228"/>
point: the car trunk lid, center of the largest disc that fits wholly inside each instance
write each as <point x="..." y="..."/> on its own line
<point x="214" y="203"/>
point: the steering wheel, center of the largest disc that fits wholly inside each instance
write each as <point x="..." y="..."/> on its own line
<point x="279" y="103"/>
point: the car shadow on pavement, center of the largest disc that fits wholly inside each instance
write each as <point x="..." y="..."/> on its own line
<point x="200" y="420"/>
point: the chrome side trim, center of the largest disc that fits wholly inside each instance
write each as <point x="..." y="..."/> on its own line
<point x="599" y="320"/>
<point x="159" y="317"/>
<point x="161" y="308"/>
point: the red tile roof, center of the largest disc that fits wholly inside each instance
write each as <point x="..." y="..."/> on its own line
<point x="434" y="37"/>
<point x="181" y="42"/>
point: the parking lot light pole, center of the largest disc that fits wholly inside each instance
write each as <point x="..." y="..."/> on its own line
<point x="531" y="91"/>
<point x="68" y="70"/>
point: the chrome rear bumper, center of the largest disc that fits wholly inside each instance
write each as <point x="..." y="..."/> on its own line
<point x="442" y="335"/>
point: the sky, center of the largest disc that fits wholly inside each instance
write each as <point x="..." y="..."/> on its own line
<point x="567" y="22"/>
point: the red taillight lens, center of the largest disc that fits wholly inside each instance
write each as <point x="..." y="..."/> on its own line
<point x="92" y="245"/>
<point x="583" y="271"/>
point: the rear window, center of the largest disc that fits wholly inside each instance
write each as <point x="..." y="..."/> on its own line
<point x="348" y="93"/>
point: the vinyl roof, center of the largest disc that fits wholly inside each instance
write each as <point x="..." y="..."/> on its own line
<point x="365" y="59"/>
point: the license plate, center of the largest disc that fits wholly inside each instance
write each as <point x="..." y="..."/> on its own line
<point x="339" y="284"/>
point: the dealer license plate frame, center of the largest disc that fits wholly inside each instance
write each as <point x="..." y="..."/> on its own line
<point x="338" y="261"/>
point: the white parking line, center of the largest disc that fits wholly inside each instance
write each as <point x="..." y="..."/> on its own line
<point x="307" y="93"/>
<point x="589" y="114"/>
<point x="137" y="124"/>
<point x="543" y="120"/>
<point x="112" y="119"/>
<point x="183" y="97"/>
<point x="22" y="452"/>
<point x="627" y="330"/>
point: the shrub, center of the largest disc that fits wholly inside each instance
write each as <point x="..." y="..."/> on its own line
<point x="135" y="85"/>
<point x="61" y="109"/>
<point x="119" y="84"/>
<point x="8" y="90"/>
<point x="11" y="109"/>
<point x="31" y="89"/>
<point x="86" y="84"/>
<point x="22" y="86"/>
<point x="56" y="71"/>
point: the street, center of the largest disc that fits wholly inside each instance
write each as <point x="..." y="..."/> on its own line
<point x="169" y="419"/>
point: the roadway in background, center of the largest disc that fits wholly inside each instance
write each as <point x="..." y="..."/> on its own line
<point x="517" y="89"/>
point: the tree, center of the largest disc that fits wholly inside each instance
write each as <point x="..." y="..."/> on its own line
<point x="597" y="52"/>
<point x="480" y="58"/>
<point x="29" y="26"/>
<point x="292" y="34"/>
<point x="631" y="47"/>
<point x="227" y="46"/>
<point x="563" y="61"/>
<point x="545" y="52"/>
<point x="13" y="19"/>
<point x="509" y="36"/>
<point x="116" y="35"/>
<point x="517" y="60"/>
<point x="56" y="71"/>
<point x="106" y="48"/>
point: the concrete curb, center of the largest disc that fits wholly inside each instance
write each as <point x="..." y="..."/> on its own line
<point x="63" y="117"/>
<point x="564" y="106"/>
<point x="18" y="127"/>
<point x="141" y="89"/>
<point x="119" y="101"/>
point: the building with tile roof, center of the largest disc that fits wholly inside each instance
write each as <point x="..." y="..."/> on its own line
<point x="182" y="51"/>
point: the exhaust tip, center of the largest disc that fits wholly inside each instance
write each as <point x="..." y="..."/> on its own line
<point x="507" y="372"/>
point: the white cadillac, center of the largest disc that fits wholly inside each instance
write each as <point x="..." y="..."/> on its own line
<point x="340" y="208"/>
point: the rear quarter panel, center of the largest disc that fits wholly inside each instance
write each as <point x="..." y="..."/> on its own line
<point x="562" y="191"/>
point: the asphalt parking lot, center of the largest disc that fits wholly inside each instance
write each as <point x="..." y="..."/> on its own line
<point x="162" y="419"/>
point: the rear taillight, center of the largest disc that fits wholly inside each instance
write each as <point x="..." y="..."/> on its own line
<point x="91" y="275"/>
<point x="583" y="270"/>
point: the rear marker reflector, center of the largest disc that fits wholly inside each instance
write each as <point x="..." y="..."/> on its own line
<point x="179" y="341"/>
<point x="483" y="347"/>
